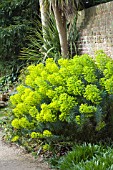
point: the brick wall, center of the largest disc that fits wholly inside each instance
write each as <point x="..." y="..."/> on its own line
<point x="95" y="27"/>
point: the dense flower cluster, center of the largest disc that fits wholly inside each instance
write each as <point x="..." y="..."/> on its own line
<point x="68" y="91"/>
<point x="93" y="94"/>
<point x="46" y="133"/>
<point x="88" y="110"/>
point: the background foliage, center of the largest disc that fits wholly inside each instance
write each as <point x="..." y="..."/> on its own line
<point x="16" y="19"/>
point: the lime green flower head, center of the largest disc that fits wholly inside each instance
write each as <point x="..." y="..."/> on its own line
<point x="33" y="111"/>
<point x="15" y="99"/>
<point x="84" y="108"/>
<point x="25" y="94"/>
<point x="109" y="85"/>
<point x="51" y="66"/>
<point x="54" y="106"/>
<point x="20" y="109"/>
<point x="108" y="72"/>
<point x="66" y="102"/>
<point x="75" y="70"/>
<point x="47" y="133"/>
<point x="46" y="114"/>
<point x="36" y="135"/>
<point x="40" y="116"/>
<point x="78" y="120"/>
<point x="63" y="115"/>
<point x="32" y="99"/>
<point x="60" y="89"/>
<point x="31" y="68"/>
<point x="43" y="90"/>
<point x="15" y="123"/>
<point x="42" y="85"/>
<point x="49" y="116"/>
<point x="39" y="68"/>
<point x="20" y="89"/>
<point x="93" y="94"/>
<point x="44" y="74"/>
<point x="50" y="93"/>
<point x="86" y="60"/>
<point x="15" y="138"/>
<point x="89" y="74"/>
<point x="63" y="62"/>
<point x="29" y="81"/>
<point x="33" y="135"/>
<point x="87" y="110"/>
<point x="46" y="147"/>
<point x="75" y="87"/>
<point x="24" y="123"/>
<point x="101" y="60"/>
<point x="64" y="73"/>
<point x="55" y="79"/>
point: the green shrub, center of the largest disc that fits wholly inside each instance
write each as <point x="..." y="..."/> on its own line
<point x="70" y="100"/>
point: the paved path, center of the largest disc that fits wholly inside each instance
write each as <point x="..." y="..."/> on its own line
<point x="13" y="158"/>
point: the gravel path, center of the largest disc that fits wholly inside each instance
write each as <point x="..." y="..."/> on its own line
<point x="13" y="158"/>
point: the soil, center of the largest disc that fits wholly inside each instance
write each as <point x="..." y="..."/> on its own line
<point x="15" y="158"/>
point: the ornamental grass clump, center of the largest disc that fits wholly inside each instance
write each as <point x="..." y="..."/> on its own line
<point x="60" y="101"/>
<point x="86" y="157"/>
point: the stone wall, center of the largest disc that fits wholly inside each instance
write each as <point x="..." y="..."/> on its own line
<point x="95" y="27"/>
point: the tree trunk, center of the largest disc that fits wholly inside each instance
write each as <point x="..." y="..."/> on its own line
<point x="44" y="20"/>
<point x="61" y="27"/>
<point x="43" y="11"/>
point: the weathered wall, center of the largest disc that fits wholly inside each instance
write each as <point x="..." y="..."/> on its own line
<point x="95" y="27"/>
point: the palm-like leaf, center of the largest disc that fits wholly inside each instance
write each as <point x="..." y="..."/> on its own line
<point x="40" y="48"/>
